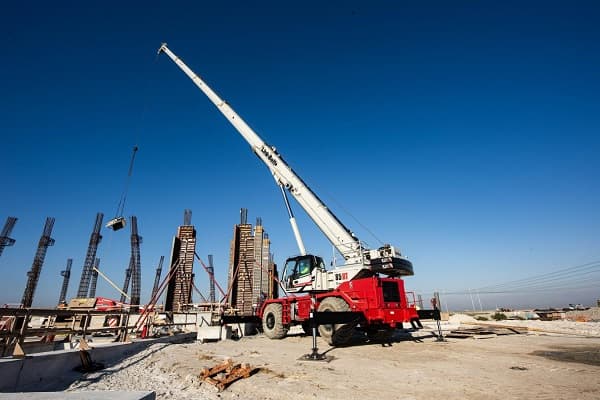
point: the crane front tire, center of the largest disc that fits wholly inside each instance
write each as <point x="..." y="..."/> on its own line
<point x="335" y="334"/>
<point x="272" y="322"/>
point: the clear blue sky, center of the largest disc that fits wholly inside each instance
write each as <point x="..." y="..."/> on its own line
<point x="465" y="134"/>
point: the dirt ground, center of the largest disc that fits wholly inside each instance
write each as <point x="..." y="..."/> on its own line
<point x="415" y="366"/>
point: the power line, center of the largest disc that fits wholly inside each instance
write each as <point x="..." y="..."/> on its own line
<point x="563" y="271"/>
<point x="570" y="278"/>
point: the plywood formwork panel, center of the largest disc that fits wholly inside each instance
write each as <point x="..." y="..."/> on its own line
<point x="179" y="292"/>
<point x="250" y="269"/>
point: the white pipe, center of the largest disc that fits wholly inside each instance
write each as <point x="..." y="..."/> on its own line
<point x="112" y="283"/>
<point x="297" y="236"/>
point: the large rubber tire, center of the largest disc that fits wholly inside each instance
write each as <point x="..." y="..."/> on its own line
<point x="338" y="334"/>
<point x="272" y="322"/>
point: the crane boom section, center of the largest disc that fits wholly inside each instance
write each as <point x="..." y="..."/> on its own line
<point x="340" y="236"/>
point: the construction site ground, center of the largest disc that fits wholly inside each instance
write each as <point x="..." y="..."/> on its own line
<point x="487" y="363"/>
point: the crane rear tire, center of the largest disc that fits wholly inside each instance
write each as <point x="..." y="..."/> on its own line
<point x="337" y="334"/>
<point x="272" y="322"/>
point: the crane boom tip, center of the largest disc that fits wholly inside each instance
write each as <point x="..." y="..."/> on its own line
<point x="162" y="48"/>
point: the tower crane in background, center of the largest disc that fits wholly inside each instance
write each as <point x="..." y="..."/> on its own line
<point x="380" y="303"/>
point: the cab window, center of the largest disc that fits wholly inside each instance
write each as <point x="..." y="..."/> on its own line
<point x="303" y="267"/>
<point x="290" y="269"/>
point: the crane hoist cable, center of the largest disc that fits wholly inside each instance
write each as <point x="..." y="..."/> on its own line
<point x="119" y="221"/>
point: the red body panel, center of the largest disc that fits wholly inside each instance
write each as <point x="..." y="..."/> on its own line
<point x="364" y="295"/>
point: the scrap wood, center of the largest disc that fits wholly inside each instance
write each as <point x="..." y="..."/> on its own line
<point x="519" y="329"/>
<point x="464" y="333"/>
<point x="230" y="373"/>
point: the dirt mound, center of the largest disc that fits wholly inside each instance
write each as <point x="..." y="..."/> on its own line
<point x="458" y="318"/>
<point x="591" y="315"/>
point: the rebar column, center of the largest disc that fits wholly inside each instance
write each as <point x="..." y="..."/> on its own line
<point x="187" y="217"/>
<point x="33" y="275"/>
<point x="90" y="257"/>
<point x="136" y="270"/>
<point x="157" y="277"/>
<point x="66" y="274"/>
<point x="211" y="277"/>
<point x="126" y="283"/>
<point x="94" y="278"/>
<point x="6" y="241"/>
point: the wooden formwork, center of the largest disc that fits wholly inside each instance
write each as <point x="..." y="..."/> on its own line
<point x="179" y="292"/>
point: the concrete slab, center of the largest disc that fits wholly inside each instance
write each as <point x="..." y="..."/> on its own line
<point x="86" y="395"/>
<point x="42" y="371"/>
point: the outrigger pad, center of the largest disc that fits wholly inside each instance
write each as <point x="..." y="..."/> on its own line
<point x="117" y="223"/>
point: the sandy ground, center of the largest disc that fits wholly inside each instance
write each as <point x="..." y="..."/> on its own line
<point x="534" y="365"/>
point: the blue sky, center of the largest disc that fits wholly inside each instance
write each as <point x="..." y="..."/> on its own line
<point x="465" y="134"/>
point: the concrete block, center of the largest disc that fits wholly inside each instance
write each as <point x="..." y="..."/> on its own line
<point x="206" y="332"/>
<point x="189" y="319"/>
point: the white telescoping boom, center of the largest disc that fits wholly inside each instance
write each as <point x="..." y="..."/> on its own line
<point x="385" y="259"/>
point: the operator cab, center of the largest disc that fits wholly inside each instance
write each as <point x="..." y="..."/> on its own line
<point x="297" y="273"/>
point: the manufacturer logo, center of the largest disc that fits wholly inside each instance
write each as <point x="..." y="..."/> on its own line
<point x="341" y="277"/>
<point x="268" y="154"/>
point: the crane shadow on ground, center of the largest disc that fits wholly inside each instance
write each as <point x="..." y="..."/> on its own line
<point x="398" y="336"/>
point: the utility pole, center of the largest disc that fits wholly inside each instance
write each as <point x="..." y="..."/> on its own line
<point x="136" y="266"/>
<point x="90" y="257"/>
<point x="33" y="275"/>
<point x="94" y="278"/>
<point x="6" y="241"/>
<point x="157" y="277"/>
<point x="66" y="274"/>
